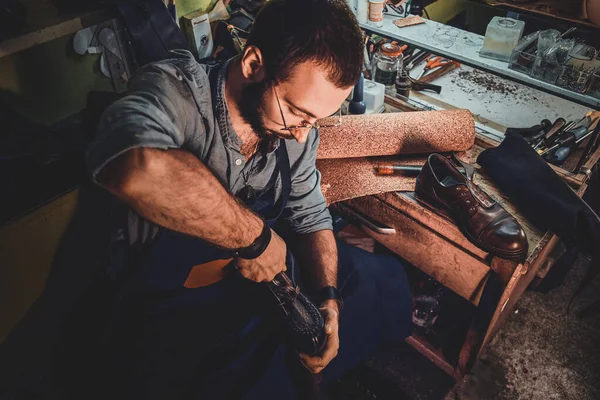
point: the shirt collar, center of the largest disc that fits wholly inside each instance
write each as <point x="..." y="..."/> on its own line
<point x="219" y="79"/>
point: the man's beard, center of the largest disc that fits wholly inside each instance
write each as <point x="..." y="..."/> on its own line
<point x="252" y="110"/>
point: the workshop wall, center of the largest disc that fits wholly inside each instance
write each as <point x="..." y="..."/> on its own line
<point x="187" y="6"/>
<point x="445" y="10"/>
<point x="46" y="84"/>
<point x="27" y="248"/>
<point x="49" y="82"/>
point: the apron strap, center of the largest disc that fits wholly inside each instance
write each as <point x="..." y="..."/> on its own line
<point x="283" y="162"/>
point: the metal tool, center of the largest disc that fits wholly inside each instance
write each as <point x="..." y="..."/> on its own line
<point x="551" y="134"/>
<point x="569" y="126"/>
<point x="578" y="132"/>
<point x="591" y="146"/>
<point x="420" y="86"/>
<point x="569" y="139"/>
<point x="408" y="170"/>
<point x="403" y="85"/>
<point x="532" y="131"/>
<point x="433" y="63"/>
<point x="568" y="31"/>
<point x="587" y="115"/>
<point x="415" y="53"/>
<point x="573" y="128"/>
<point x="417" y="60"/>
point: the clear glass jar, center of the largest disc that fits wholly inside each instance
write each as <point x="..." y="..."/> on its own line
<point x="426" y="305"/>
<point x="387" y="63"/>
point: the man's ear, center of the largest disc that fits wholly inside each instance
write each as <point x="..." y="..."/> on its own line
<point x="253" y="68"/>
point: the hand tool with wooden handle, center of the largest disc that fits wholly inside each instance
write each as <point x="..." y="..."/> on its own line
<point x="440" y="72"/>
<point x="415" y="53"/>
<point x="552" y="133"/>
<point x="417" y="60"/>
<point x="568" y="139"/>
<point x="420" y="85"/>
<point x="591" y="146"/>
<point x="532" y="131"/>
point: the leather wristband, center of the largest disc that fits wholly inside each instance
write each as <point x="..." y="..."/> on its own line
<point x="328" y="293"/>
<point x="257" y="247"/>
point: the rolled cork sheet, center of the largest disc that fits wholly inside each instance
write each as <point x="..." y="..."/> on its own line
<point x="348" y="178"/>
<point x="418" y="132"/>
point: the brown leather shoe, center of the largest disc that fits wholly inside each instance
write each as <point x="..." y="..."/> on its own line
<point x="483" y="221"/>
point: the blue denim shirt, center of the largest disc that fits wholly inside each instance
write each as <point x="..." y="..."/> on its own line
<point x="169" y="105"/>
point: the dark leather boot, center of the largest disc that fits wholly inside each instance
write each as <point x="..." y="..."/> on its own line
<point x="304" y="322"/>
<point x="483" y="221"/>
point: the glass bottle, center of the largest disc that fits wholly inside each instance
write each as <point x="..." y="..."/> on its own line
<point x="426" y="305"/>
<point x="387" y="63"/>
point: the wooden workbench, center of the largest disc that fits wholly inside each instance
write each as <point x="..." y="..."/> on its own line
<point x="434" y="244"/>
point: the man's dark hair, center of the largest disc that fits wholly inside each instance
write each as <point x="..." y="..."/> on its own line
<point x="290" y="32"/>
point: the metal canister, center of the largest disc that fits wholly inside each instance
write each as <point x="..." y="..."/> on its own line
<point x="387" y="63"/>
<point x="403" y="85"/>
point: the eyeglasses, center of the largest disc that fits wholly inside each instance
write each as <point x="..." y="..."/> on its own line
<point x="306" y="125"/>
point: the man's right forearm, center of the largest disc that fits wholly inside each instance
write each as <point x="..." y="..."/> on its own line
<point x="174" y="189"/>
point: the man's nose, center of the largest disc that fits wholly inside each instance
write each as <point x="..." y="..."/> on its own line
<point x="301" y="134"/>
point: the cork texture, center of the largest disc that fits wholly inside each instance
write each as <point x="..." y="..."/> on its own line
<point x="348" y="178"/>
<point x="418" y="132"/>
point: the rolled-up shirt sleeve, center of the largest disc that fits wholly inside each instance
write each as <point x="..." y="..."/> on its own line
<point x="306" y="210"/>
<point x="152" y="114"/>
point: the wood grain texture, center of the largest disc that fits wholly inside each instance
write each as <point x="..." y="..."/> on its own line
<point x="407" y="203"/>
<point x="431" y="252"/>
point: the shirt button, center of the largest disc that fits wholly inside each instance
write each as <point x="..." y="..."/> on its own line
<point x="238" y="161"/>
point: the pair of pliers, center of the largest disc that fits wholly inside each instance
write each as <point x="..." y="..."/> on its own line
<point x="433" y="63"/>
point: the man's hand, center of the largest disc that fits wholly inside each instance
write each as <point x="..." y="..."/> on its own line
<point x="267" y="265"/>
<point x="331" y="313"/>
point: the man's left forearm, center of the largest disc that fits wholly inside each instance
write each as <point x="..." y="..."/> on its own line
<point x="317" y="253"/>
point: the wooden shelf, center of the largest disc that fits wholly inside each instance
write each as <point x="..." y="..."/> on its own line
<point x="46" y="21"/>
<point x="424" y="347"/>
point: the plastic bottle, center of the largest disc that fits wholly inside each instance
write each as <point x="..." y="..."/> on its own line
<point x="357" y="104"/>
